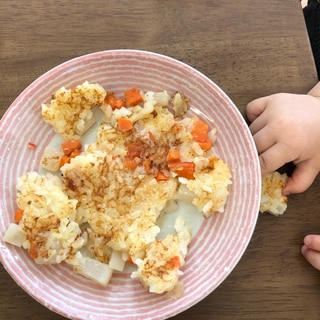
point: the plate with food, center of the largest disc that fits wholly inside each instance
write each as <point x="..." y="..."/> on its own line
<point x="131" y="187"/>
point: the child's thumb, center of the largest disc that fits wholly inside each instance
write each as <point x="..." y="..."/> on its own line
<point x="301" y="179"/>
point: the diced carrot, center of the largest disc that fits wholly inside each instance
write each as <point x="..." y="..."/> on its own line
<point x="133" y="96"/>
<point x="183" y="169"/>
<point x="114" y="102"/>
<point x="75" y="153"/>
<point x="65" y="159"/>
<point x="18" y="215"/>
<point x="205" y="146"/>
<point x="173" y="155"/>
<point x="130" y="164"/>
<point x="161" y="176"/>
<point x="33" y="251"/>
<point x="173" y="263"/>
<point x="69" y="146"/>
<point x="125" y="124"/>
<point x="200" y="131"/>
<point x="71" y="149"/>
<point x="32" y="145"/>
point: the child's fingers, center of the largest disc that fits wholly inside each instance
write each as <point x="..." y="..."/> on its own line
<point x="301" y="179"/>
<point x="264" y="140"/>
<point x="273" y="158"/>
<point x="312" y="241"/>
<point x="258" y="124"/>
<point x="256" y="107"/>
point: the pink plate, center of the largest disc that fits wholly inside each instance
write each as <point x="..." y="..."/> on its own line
<point x="215" y="249"/>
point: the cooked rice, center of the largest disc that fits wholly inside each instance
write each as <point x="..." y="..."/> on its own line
<point x="102" y="204"/>
<point x="272" y="198"/>
<point x="70" y="111"/>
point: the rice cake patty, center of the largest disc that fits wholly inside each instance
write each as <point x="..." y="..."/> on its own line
<point x="119" y="206"/>
<point x="272" y="199"/>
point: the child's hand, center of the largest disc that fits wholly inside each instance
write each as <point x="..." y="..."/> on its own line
<point x="285" y="128"/>
<point x="311" y="250"/>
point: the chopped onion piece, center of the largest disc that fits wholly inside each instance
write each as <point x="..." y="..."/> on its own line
<point x="14" y="235"/>
<point x="51" y="159"/>
<point x="93" y="270"/>
<point x="116" y="262"/>
<point x="83" y="125"/>
<point x="180" y="104"/>
<point x="161" y="98"/>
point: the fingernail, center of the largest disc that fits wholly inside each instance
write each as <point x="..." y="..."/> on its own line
<point x="307" y="240"/>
